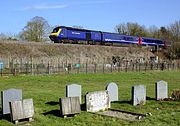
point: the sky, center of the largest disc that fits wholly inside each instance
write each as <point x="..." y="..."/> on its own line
<point x="101" y="15"/>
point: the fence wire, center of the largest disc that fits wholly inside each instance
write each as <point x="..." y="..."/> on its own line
<point x="76" y="68"/>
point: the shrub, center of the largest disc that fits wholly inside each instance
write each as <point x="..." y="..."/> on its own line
<point x="176" y="94"/>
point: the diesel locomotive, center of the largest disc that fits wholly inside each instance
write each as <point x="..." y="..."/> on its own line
<point x="62" y="34"/>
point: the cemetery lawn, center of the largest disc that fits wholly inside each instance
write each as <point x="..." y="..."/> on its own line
<point x="47" y="89"/>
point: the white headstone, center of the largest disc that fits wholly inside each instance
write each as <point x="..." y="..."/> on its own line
<point x="96" y="101"/>
<point x="139" y="94"/>
<point x="73" y="90"/>
<point x="28" y="108"/>
<point x="161" y="90"/>
<point x="8" y="96"/>
<point x="112" y="88"/>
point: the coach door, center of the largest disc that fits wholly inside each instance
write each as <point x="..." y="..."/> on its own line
<point x="88" y="36"/>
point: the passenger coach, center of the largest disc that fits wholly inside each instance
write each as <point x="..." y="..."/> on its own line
<point x="66" y="34"/>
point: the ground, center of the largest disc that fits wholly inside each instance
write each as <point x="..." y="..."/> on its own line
<point x="69" y="52"/>
<point x="46" y="91"/>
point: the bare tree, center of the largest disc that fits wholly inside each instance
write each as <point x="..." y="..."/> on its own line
<point x="121" y="29"/>
<point x="36" y="30"/>
<point x="8" y="36"/>
<point x="153" y="32"/>
<point x="129" y="28"/>
<point x="175" y="30"/>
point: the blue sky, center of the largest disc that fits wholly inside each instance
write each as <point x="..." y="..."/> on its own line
<point x="101" y="15"/>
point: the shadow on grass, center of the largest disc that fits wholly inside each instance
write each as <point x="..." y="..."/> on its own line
<point x="53" y="112"/>
<point x="121" y="102"/>
<point x="52" y="103"/>
<point x="83" y="107"/>
<point x="149" y="98"/>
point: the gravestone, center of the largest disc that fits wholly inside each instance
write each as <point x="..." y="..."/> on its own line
<point x="96" y="101"/>
<point x="69" y="105"/>
<point x="112" y="88"/>
<point x="21" y="110"/>
<point x="16" y="110"/>
<point x="139" y="94"/>
<point x="28" y="108"/>
<point x="8" y="96"/>
<point x="73" y="90"/>
<point x="161" y="90"/>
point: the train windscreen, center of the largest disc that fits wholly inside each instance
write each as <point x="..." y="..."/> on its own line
<point x="55" y="30"/>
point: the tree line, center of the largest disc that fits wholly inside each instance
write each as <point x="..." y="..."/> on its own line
<point x="170" y="34"/>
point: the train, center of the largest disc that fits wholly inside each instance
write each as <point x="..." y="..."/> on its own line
<point x="66" y="34"/>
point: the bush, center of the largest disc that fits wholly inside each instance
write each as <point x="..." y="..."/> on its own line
<point x="176" y="94"/>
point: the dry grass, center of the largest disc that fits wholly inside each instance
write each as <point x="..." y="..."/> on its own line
<point x="84" y="53"/>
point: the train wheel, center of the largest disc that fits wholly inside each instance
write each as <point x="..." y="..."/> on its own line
<point x="57" y="41"/>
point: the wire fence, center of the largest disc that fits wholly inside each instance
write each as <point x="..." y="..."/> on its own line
<point x="76" y="68"/>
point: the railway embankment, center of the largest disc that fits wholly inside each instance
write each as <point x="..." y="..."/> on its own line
<point x="71" y="52"/>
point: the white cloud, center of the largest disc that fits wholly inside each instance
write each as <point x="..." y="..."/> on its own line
<point x="92" y="2"/>
<point x="44" y="7"/>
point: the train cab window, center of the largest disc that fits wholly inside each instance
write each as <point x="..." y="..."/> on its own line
<point x="56" y="30"/>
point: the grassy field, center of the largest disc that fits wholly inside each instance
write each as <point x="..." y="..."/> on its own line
<point x="46" y="91"/>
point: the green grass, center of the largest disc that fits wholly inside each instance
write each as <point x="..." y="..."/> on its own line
<point x="48" y="89"/>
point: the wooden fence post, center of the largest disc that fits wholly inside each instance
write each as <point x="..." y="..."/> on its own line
<point x="136" y="66"/>
<point x="146" y="66"/>
<point x="132" y="66"/>
<point x="14" y="71"/>
<point x="86" y="67"/>
<point x="94" y="68"/>
<point x="1" y="72"/>
<point x="21" y="65"/>
<point x="49" y="67"/>
<point x="111" y="68"/>
<point x="139" y="67"/>
<point x="118" y="67"/>
<point x="126" y="67"/>
<point x="151" y="66"/>
<point x="178" y="65"/>
<point x="157" y="67"/>
<point x="103" y="67"/>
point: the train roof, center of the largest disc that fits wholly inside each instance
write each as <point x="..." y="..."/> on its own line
<point x="79" y="29"/>
<point x="71" y="28"/>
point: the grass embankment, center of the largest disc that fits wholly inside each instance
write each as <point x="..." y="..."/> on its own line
<point x="46" y="91"/>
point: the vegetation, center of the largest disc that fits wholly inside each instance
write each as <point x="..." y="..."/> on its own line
<point x="68" y="53"/>
<point x="46" y="91"/>
<point x="171" y="34"/>
<point x="36" y="30"/>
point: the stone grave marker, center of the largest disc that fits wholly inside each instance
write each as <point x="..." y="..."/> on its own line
<point x="69" y="106"/>
<point x="161" y="90"/>
<point x="28" y="108"/>
<point x="139" y="94"/>
<point x="21" y="110"/>
<point x="8" y="96"/>
<point x="73" y="90"/>
<point x="96" y="101"/>
<point x="16" y="110"/>
<point x="112" y="88"/>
